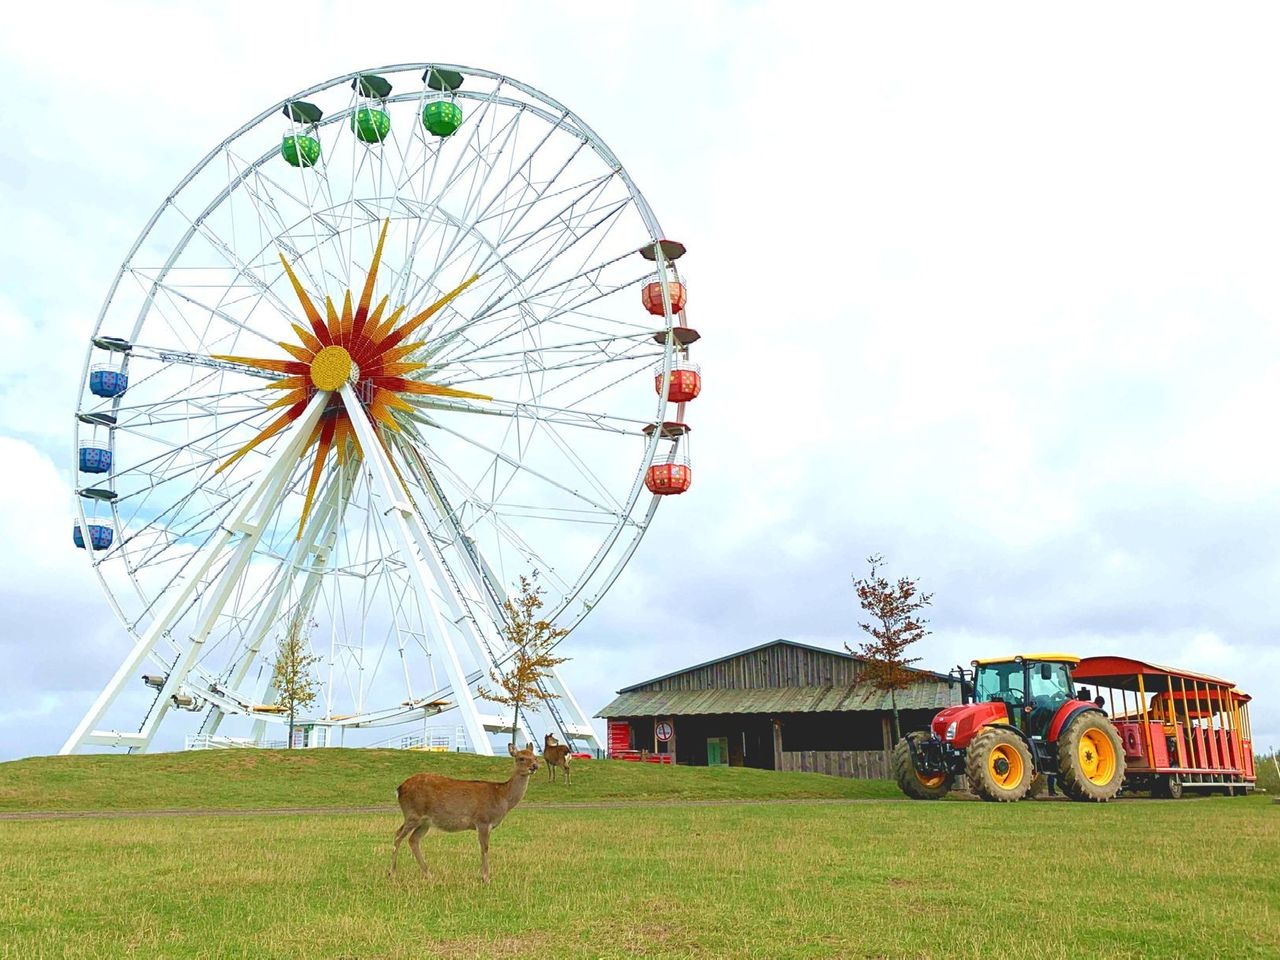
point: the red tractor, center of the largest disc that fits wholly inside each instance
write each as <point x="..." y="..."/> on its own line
<point x="1023" y="723"/>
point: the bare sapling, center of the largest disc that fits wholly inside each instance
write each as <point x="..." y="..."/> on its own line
<point x="556" y="755"/>
<point x="430" y="800"/>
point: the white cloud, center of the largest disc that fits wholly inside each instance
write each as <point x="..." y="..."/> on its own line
<point x="989" y="291"/>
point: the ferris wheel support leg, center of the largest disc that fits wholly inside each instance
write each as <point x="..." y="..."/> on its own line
<point x="573" y="723"/>
<point x="267" y="487"/>
<point x="420" y="558"/>
<point x="322" y="530"/>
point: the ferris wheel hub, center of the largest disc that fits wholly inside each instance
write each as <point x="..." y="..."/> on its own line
<point x="332" y="367"/>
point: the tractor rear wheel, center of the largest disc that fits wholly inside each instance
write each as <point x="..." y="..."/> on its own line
<point x="998" y="765"/>
<point x="917" y="785"/>
<point x="1090" y="759"/>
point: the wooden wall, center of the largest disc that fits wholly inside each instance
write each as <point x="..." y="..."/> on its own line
<point x="780" y="665"/>
<point x="860" y="764"/>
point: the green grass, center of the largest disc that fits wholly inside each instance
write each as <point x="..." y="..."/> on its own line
<point x="340" y="778"/>
<point x="1268" y="775"/>
<point x="1133" y="879"/>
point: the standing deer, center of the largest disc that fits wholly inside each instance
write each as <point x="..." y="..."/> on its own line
<point x="430" y="800"/>
<point x="556" y="755"/>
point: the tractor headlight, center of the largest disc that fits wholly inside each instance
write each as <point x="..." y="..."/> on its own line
<point x="951" y="731"/>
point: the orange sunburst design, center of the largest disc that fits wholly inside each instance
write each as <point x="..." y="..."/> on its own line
<point x="356" y="346"/>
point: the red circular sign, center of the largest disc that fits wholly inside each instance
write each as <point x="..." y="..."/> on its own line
<point x="663" y="730"/>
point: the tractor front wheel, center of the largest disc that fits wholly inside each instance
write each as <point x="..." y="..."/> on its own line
<point x="998" y="765"/>
<point x="1090" y="759"/>
<point x="917" y="785"/>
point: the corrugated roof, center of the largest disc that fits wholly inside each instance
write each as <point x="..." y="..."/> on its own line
<point x="842" y="654"/>
<point x="652" y="703"/>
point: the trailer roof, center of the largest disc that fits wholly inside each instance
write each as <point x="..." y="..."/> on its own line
<point x="1122" y="673"/>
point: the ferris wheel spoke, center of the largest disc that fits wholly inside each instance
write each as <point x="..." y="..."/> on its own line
<point x="478" y="371"/>
<point x="537" y="296"/>
<point x="563" y="416"/>
<point x="466" y="219"/>
<point x="429" y="211"/>
<point x="567" y="239"/>
<point x="445" y="257"/>
<point x="501" y="457"/>
<point x="244" y="269"/>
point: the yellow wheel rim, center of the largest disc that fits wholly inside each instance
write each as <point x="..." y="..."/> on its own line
<point x="930" y="780"/>
<point x="1004" y="763"/>
<point x="1097" y="757"/>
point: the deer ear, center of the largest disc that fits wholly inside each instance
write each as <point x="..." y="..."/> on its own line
<point x="511" y="749"/>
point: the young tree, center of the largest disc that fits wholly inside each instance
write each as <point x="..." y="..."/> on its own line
<point x="532" y="640"/>
<point x="294" y="683"/>
<point x="895" y="609"/>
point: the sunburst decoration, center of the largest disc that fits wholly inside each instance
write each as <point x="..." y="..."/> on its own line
<point x="356" y="347"/>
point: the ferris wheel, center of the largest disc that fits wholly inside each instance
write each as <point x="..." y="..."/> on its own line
<point x="395" y="342"/>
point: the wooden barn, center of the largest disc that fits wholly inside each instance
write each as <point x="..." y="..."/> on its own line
<point x="778" y="706"/>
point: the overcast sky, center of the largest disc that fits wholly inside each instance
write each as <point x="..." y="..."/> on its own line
<point x="991" y="291"/>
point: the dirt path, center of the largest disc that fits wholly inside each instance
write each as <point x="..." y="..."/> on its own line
<point x="390" y="809"/>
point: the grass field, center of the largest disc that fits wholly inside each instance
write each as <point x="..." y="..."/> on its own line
<point x="338" y="778"/>
<point x="1194" y="878"/>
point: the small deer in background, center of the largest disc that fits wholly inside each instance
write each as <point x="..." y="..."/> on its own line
<point x="556" y="755"/>
<point x="430" y="800"/>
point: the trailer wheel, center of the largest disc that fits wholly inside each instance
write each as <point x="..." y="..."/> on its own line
<point x="917" y="785"/>
<point x="998" y="765"/>
<point x="1090" y="759"/>
<point x="1172" y="787"/>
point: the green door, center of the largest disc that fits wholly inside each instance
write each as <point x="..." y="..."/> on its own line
<point x="717" y="751"/>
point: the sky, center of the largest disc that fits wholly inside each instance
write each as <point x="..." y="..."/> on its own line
<point x="989" y="291"/>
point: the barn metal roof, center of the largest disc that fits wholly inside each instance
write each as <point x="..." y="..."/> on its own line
<point x="647" y="703"/>
<point x="843" y="655"/>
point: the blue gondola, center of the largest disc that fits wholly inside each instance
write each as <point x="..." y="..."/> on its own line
<point x="108" y="382"/>
<point x="101" y="535"/>
<point x="95" y="457"/>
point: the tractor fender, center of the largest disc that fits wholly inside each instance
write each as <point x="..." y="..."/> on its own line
<point x="1068" y="712"/>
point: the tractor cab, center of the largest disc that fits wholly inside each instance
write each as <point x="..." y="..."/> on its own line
<point x="1032" y="688"/>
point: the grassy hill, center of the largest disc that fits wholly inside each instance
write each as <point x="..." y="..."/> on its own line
<point x="348" y="777"/>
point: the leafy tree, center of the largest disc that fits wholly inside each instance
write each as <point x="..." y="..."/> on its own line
<point x="532" y="639"/>
<point x="896" y="624"/>
<point x="295" y="685"/>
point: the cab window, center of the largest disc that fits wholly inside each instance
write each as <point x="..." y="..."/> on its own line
<point x="1050" y="681"/>
<point x="998" y="681"/>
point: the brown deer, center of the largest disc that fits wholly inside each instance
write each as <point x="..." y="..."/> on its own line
<point x="430" y="800"/>
<point x="556" y="755"/>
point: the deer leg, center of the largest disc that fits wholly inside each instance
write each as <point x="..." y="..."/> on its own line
<point x="482" y="832"/>
<point x="566" y="773"/>
<point x="395" y="848"/>
<point x="419" y="831"/>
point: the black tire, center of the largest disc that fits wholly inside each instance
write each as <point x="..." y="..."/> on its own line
<point x="1090" y="759"/>
<point x="1172" y="787"/>
<point x="998" y="765"/>
<point x="914" y="784"/>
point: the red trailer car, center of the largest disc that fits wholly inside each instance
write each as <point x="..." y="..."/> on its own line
<point x="1180" y="730"/>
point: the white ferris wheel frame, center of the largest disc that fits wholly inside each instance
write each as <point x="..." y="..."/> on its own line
<point x="437" y="585"/>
